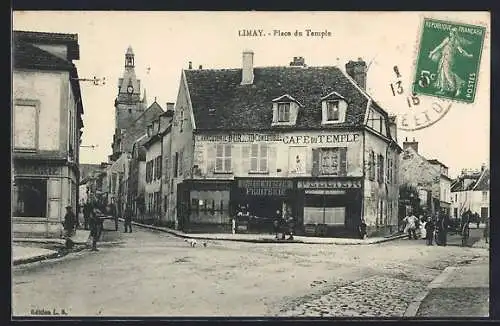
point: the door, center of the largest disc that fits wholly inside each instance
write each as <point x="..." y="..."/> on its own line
<point x="484" y="212"/>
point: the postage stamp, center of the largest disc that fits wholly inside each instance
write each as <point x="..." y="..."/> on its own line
<point x="448" y="60"/>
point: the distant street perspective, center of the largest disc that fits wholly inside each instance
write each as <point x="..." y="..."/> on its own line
<point x="251" y="164"/>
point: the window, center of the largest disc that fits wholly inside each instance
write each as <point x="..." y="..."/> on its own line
<point x="176" y="164"/>
<point x="223" y="158"/>
<point x="389" y="170"/>
<point x="30" y="197"/>
<point x="333" y="161"/>
<point x="26" y="127"/>
<point x="180" y="163"/>
<point x="258" y="158"/>
<point x="283" y="112"/>
<point x="380" y="176"/>
<point x="332" y="111"/>
<point x="485" y="195"/>
<point x="371" y="166"/>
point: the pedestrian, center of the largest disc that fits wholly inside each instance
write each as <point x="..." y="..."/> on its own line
<point x="290" y="221"/>
<point x="87" y="209"/>
<point x="114" y="214"/>
<point x="94" y="228"/>
<point x="69" y="225"/>
<point x="464" y="231"/>
<point x="128" y="219"/>
<point x="486" y="231"/>
<point x="362" y="229"/>
<point x="429" y="230"/>
<point x="276" y="223"/>
<point x="411" y="226"/>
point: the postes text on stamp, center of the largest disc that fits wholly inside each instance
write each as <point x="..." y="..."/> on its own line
<point x="448" y="60"/>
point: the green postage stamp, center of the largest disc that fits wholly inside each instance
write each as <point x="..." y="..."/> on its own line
<point x="448" y="60"/>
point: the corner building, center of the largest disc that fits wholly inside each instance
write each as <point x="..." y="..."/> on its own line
<point x="309" y="140"/>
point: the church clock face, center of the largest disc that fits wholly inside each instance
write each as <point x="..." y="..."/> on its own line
<point x="130" y="89"/>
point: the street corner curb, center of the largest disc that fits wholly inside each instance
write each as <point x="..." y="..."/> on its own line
<point x="35" y="259"/>
<point x="412" y="309"/>
<point x="442" y="278"/>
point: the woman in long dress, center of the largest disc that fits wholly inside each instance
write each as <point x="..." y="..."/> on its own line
<point x="444" y="53"/>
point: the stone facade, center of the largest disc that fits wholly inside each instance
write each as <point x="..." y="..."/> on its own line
<point x="46" y="135"/>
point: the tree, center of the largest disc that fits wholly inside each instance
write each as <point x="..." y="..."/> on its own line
<point x="408" y="196"/>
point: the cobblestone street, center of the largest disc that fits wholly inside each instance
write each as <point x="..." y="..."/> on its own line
<point x="156" y="274"/>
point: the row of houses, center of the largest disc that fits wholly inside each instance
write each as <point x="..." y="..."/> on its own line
<point x="307" y="140"/>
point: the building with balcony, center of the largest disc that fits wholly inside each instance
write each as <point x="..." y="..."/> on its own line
<point x="308" y="140"/>
<point x="47" y="127"/>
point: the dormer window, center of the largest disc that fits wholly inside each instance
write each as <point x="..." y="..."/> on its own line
<point x="332" y="111"/>
<point x="283" y="112"/>
<point x="334" y="107"/>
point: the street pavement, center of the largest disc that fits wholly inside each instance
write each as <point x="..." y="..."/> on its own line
<point x="151" y="273"/>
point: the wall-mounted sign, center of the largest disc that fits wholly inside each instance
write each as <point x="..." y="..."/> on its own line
<point x="36" y="169"/>
<point x="329" y="184"/>
<point x="322" y="138"/>
<point x="263" y="187"/>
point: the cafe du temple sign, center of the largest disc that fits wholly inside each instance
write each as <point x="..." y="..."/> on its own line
<point x="320" y="138"/>
<point x="329" y="184"/>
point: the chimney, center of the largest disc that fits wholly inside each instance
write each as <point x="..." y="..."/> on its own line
<point x="393" y="127"/>
<point x="190" y="65"/>
<point x="357" y="71"/>
<point x="483" y="167"/>
<point x="413" y="144"/>
<point x="170" y="109"/>
<point x="247" y="68"/>
<point x="298" y="62"/>
<point x="200" y="67"/>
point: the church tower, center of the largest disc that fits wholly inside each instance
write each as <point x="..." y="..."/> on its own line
<point x="128" y="103"/>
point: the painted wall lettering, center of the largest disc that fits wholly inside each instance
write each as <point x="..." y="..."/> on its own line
<point x="286" y="139"/>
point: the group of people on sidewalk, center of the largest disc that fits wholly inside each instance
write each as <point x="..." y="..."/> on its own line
<point x="92" y="222"/>
<point x="437" y="228"/>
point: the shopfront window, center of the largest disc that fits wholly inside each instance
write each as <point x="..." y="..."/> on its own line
<point x="30" y="197"/>
<point x="322" y="208"/>
<point x="209" y="206"/>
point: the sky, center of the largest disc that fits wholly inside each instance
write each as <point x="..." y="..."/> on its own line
<point x="164" y="43"/>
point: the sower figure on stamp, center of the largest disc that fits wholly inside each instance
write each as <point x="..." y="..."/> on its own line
<point x="447" y="80"/>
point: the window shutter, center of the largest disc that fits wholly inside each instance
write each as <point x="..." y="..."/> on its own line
<point x="315" y="162"/>
<point x="245" y="158"/>
<point x="272" y="159"/>
<point x="343" y="161"/>
<point x="211" y="158"/>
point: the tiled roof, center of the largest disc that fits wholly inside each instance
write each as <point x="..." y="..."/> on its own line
<point x="30" y="56"/>
<point x="220" y="102"/>
<point x="71" y="40"/>
<point x="138" y="127"/>
<point x="483" y="184"/>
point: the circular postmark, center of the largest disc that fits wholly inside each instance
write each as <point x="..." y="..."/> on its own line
<point x="423" y="112"/>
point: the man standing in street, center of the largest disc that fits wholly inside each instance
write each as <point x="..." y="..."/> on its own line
<point x="94" y="224"/>
<point x="128" y="219"/>
<point x="69" y="224"/>
<point x="429" y="230"/>
<point x="114" y="214"/>
<point x="87" y="209"/>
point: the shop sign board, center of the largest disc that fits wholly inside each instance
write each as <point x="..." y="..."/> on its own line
<point x="263" y="187"/>
<point x="329" y="184"/>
